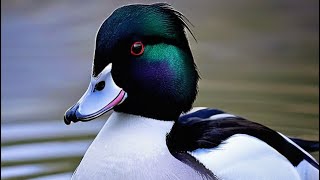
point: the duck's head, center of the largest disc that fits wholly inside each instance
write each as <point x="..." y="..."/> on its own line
<point x="142" y="65"/>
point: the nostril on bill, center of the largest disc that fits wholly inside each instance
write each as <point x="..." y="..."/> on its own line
<point x="99" y="86"/>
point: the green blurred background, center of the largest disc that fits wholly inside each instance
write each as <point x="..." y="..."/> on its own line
<point x="257" y="59"/>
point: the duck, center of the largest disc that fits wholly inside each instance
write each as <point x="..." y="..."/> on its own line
<point x="143" y="70"/>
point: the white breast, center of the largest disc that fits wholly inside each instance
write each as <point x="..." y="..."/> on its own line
<point x="132" y="147"/>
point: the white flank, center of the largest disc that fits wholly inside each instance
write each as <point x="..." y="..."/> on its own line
<point x="246" y="157"/>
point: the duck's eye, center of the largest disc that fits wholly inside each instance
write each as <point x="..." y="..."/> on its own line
<point x="137" y="48"/>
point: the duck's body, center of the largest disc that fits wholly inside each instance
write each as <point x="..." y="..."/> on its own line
<point x="136" y="147"/>
<point x="143" y="69"/>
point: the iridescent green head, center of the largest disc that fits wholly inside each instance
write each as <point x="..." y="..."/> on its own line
<point x="151" y="61"/>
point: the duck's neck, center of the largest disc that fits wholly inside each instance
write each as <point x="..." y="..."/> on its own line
<point x="127" y="120"/>
<point x="149" y="108"/>
<point x="128" y="130"/>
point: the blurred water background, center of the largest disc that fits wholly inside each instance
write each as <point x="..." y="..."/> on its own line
<point x="257" y="59"/>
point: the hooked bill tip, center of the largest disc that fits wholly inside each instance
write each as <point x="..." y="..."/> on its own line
<point x="70" y="115"/>
<point x="66" y="121"/>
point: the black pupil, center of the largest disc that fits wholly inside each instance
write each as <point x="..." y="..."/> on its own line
<point x="100" y="85"/>
<point x="137" y="47"/>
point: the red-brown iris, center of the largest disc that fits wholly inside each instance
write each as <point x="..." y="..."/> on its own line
<point x="137" y="48"/>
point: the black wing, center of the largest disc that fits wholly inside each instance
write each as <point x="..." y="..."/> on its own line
<point x="208" y="128"/>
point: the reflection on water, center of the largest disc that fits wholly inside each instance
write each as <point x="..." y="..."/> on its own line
<point x="257" y="60"/>
<point x="38" y="148"/>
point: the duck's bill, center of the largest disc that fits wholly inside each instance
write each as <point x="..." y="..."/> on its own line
<point x="101" y="96"/>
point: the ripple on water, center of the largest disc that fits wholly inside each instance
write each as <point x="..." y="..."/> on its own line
<point x="44" y="150"/>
